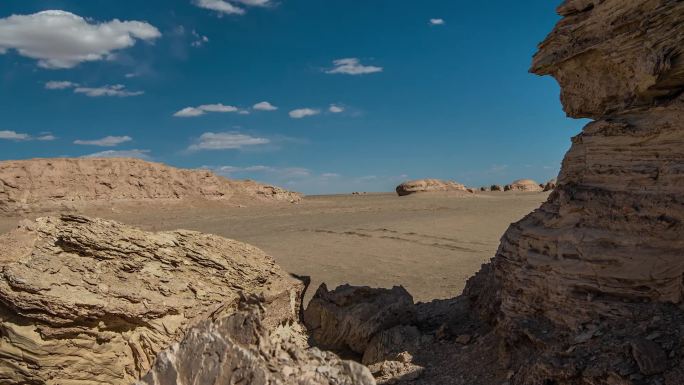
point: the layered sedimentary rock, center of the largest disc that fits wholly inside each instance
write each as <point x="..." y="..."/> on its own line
<point x="45" y="184"/>
<point x="588" y="288"/>
<point x="238" y="349"/>
<point x="429" y="185"/>
<point x="88" y="301"/>
<point x="523" y="185"/>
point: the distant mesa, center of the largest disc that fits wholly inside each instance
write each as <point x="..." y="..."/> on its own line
<point x="47" y="184"/>
<point x="429" y="185"/>
<point x="528" y="185"/>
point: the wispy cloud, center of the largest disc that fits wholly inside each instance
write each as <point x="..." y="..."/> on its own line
<point x="59" y="85"/>
<point x="107" y="141"/>
<point x="60" y="39"/>
<point x="437" y="22"/>
<point x="335" y="109"/>
<point x="303" y="112"/>
<point x="264" y="106"/>
<point x="229" y="7"/>
<point x="226" y="141"/>
<point x="352" y="66"/>
<point x="190" y="112"/>
<point x="117" y="90"/>
<point x="199" y="40"/>
<point x="19" y="137"/>
<point x="140" y="154"/>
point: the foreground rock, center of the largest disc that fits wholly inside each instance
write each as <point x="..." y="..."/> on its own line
<point x="88" y="301"/>
<point x="238" y="349"/>
<point x="347" y="318"/>
<point x="526" y="185"/>
<point x="550" y="185"/>
<point x="429" y="185"/>
<point x="48" y="184"/>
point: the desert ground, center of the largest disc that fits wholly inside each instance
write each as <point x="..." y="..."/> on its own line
<point x="430" y="243"/>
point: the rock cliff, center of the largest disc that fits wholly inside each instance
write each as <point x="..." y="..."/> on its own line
<point x="47" y="184"/>
<point x="590" y="285"/>
<point x="88" y="301"/>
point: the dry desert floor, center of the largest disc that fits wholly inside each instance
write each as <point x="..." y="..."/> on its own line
<point x="429" y="243"/>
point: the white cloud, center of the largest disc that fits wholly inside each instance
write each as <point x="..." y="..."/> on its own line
<point x="330" y="175"/>
<point x="335" y="109"/>
<point x="140" y="154"/>
<point x="279" y="172"/>
<point x="227" y="7"/>
<point x="59" y="85"/>
<point x="189" y="112"/>
<point x="16" y="136"/>
<point x="108" y="141"/>
<point x="255" y="3"/>
<point x="59" y="39"/>
<point x="303" y="112"/>
<point x="46" y="137"/>
<point x="226" y="141"/>
<point x="220" y="6"/>
<point x="352" y="66"/>
<point x="265" y="106"/>
<point x="115" y="90"/>
<point x="437" y="22"/>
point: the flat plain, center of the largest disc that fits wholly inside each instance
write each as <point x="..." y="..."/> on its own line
<point x="430" y="243"/>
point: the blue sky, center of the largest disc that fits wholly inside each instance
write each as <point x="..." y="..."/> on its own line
<point x="316" y="96"/>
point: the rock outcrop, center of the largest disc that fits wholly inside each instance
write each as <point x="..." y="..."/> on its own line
<point x="238" y="349"/>
<point x="550" y="185"/>
<point x="429" y="185"/>
<point x="347" y="318"/>
<point x="88" y="301"/>
<point x="527" y="185"/>
<point x="589" y="286"/>
<point x="47" y="184"/>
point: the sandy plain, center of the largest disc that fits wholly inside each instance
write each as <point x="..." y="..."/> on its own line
<point x="429" y="243"/>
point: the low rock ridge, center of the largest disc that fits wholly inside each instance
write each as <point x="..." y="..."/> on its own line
<point x="46" y="184"/>
<point x="429" y="185"/>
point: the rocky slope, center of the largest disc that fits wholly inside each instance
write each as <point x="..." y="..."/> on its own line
<point x="88" y="301"/>
<point x="46" y="184"/>
<point x="429" y="185"/>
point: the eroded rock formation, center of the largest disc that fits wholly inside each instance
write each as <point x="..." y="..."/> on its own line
<point x="47" y="184"/>
<point x="523" y="185"/>
<point x="238" y="349"/>
<point x="590" y="285"/>
<point x="429" y="185"/>
<point x="88" y="301"/>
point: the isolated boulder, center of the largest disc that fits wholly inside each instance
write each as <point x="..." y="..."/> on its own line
<point x="496" y="187"/>
<point x="238" y="349"/>
<point x="347" y="318"/>
<point x="90" y="301"/>
<point x="48" y="184"/>
<point x="527" y="185"/>
<point x="550" y="185"/>
<point x="429" y="185"/>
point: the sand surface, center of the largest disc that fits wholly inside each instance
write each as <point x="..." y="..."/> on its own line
<point x="429" y="243"/>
